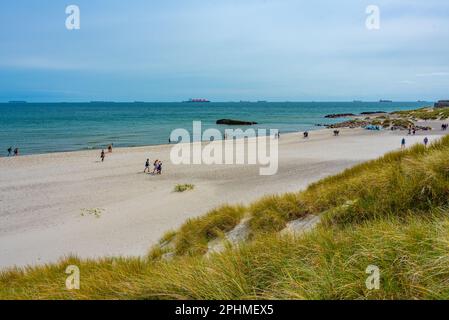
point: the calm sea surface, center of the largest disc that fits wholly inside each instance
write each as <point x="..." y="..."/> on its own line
<point x="52" y="127"/>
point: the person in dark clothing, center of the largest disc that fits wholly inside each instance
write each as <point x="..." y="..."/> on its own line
<point x="102" y="155"/>
<point x="16" y="152"/>
<point x="159" y="167"/>
<point x="9" y="151"/>
<point x="147" y="166"/>
<point x="155" y="165"/>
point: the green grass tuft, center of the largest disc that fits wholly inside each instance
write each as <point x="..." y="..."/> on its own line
<point x="192" y="238"/>
<point x="183" y="187"/>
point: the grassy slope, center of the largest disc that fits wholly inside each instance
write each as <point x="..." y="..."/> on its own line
<point x="391" y="212"/>
<point x="428" y="113"/>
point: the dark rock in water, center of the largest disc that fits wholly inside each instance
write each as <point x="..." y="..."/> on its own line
<point x="373" y="112"/>
<point x="235" y="122"/>
<point x="339" y="115"/>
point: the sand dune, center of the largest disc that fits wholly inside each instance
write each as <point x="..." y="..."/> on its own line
<point x="45" y="199"/>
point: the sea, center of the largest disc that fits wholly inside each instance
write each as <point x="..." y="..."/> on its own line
<point x="37" y="128"/>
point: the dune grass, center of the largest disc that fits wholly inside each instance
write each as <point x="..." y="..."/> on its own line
<point x="329" y="263"/>
<point x="271" y="213"/>
<point x="402" y="123"/>
<point x="192" y="238"/>
<point x="183" y="187"/>
<point x="427" y="113"/>
<point x="391" y="212"/>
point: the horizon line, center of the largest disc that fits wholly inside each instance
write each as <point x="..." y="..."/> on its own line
<point x="217" y="101"/>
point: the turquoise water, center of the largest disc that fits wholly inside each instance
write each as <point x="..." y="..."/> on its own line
<point x="52" y="127"/>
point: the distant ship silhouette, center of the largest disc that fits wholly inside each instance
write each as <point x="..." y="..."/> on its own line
<point x="197" y="100"/>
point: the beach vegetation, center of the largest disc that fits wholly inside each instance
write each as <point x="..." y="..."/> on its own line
<point x="386" y="123"/>
<point x="183" y="187"/>
<point x="402" y="123"/>
<point x="195" y="234"/>
<point x="427" y="113"/>
<point x="392" y="212"/>
<point x="95" y="212"/>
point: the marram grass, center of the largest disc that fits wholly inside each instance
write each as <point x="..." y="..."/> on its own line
<point x="392" y="213"/>
<point x="183" y="187"/>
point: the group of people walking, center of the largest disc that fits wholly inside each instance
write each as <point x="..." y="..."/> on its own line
<point x="157" y="164"/>
<point x="103" y="154"/>
<point x="14" y="152"/>
<point x="411" y="130"/>
<point x="157" y="167"/>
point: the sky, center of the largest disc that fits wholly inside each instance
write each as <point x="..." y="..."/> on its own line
<point x="224" y="50"/>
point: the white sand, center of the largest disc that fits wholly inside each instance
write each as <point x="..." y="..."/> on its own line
<point x="42" y="196"/>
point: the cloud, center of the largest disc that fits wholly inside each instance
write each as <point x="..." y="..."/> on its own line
<point x="230" y="49"/>
<point x="433" y="74"/>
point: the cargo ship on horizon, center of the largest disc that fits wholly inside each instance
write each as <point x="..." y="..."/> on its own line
<point x="195" y="100"/>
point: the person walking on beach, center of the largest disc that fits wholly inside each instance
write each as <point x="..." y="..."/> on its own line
<point x="426" y="141"/>
<point x="16" y="152"/>
<point x="102" y="155"/>
<point x="403" y="143"/>
<point x="159" y="167"/>
<point x="155" y="165"/>
<point x="110" y="148"/>
<point x="147" y="166"/>
<point x="9" y="151"/>
<point x="306" y="134"/>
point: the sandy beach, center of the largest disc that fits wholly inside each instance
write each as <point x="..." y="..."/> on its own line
<point x="45" y="200"/>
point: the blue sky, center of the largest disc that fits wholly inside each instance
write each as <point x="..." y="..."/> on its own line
<point x="171" y="50"/>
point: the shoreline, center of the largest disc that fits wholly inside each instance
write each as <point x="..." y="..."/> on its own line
<point x="43" y="196"/>
<point x="98" y="128"/>
<point x="59" y="153"/>
<point x="286" y="133"/>
<point x="319" y="129"/>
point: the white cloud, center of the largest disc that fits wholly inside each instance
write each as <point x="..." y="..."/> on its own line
<point x="433" y="74"/>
